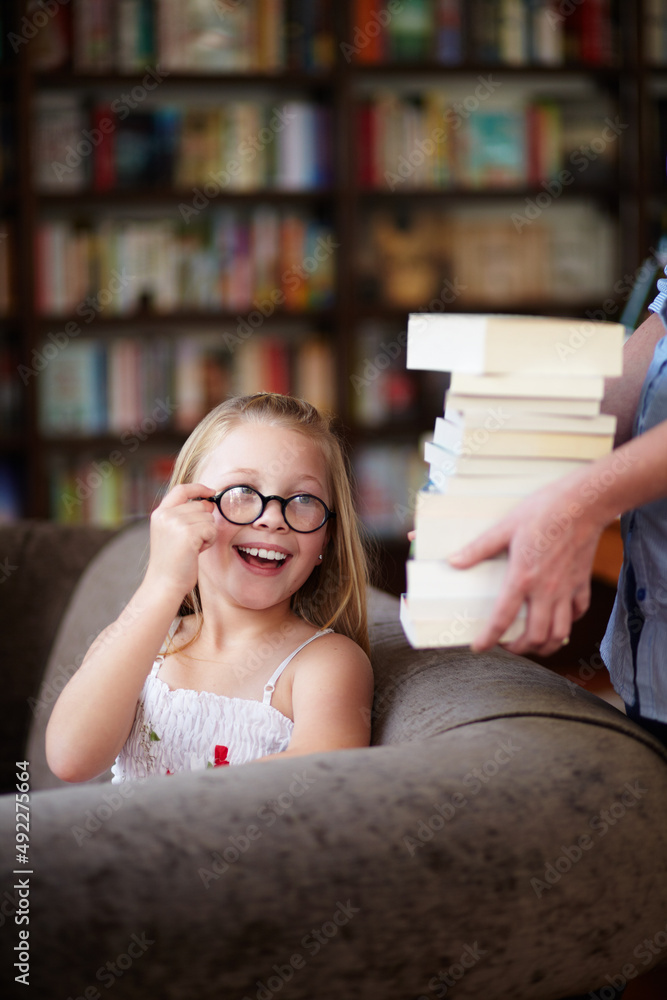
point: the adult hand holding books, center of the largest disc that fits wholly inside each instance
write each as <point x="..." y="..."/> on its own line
<point x="551" y="538"/>
<point x="547" y="536"/>
<point x="509" y="483"/>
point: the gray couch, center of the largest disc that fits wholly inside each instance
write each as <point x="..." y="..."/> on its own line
<point x="505" y="836"/>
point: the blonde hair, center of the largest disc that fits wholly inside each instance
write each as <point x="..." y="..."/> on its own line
<point x="334" y="595"/>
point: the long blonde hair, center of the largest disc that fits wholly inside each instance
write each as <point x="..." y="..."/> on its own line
<point x="334" y="595"/>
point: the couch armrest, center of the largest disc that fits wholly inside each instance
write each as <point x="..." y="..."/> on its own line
<point x="42" y="563"/>
<point x="103" y="590"/>
<point x="357" y="873"/>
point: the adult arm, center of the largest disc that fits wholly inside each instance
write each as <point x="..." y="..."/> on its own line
<point x="621" y="396"/>
<point x="552" y="537"/>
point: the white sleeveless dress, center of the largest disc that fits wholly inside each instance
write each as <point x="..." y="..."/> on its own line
<point x="184" y="730"/>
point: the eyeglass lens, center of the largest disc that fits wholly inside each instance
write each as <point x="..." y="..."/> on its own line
<point x="243" y="505"/>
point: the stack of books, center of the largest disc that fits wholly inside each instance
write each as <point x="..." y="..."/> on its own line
<point x="522" y="409"/>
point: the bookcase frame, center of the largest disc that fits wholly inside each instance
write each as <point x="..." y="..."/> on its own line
<point x="632" y="199"/>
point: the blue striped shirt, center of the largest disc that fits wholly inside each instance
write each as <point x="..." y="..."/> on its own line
<point x="634" y="647"/>
<point x="659" y="300"/>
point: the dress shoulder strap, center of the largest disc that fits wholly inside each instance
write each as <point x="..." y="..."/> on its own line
<point x="270" y="686"/>
<point x="165" y="646"/>
<point x="170" y="634"/>
<point x="156" y="666"/>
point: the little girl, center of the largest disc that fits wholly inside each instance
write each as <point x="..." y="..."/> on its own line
<point x="257" y="579"/>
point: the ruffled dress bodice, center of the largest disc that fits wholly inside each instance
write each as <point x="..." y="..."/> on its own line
<point x="185" y="730"/>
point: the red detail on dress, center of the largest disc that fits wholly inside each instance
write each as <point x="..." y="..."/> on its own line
<point x="221" y="757"/>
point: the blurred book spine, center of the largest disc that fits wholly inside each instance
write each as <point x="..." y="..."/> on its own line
<point x="189" y="36"/>
<point x="490" y="256"/>
<point x="133" y="387"/>
<point x="242" y="145"/>
<point x="430" y="140"/>
<point x="507" y="32"/>
<point x="262" y="258"/>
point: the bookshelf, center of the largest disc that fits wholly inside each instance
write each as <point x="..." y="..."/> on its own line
<point x="275" y="193"/>
<point x="16" y="429"/>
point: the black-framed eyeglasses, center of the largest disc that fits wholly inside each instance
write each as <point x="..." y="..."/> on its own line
<point x="302" y="512"/>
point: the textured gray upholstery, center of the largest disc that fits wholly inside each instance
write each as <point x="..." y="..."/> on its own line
<point x="104" y="589"/>
<point x="506" y="833"/>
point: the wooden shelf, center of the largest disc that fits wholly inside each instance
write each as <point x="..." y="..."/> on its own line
<point x="153" y="197"/>
<point x="13" y="443"/>
<point x="283" y="80"/>
<point x="575" y="310"/>
<point x="8" y="197"/>
<point x="157" y="321"/>
<point x="412" y="69"/>
<point x="108" y="442"/>
<point x="605" y="192"/>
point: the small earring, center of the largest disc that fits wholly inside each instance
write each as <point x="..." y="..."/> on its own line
<point x="320" y="558"/>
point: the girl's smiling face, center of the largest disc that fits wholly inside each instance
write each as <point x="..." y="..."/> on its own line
<point x="273" y="460"/>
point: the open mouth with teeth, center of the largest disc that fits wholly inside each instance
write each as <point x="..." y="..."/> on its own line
<point x="262" y="558"/>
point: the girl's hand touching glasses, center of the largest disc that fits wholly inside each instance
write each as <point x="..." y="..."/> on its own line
<point x="180" y="532"/>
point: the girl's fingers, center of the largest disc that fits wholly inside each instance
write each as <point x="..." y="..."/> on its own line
<point x="188" y="491"/>
<point x="185" y="520"/>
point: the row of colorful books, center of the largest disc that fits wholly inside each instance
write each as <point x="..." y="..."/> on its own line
<point x="241" y="145"/>
<point x="437" y="139"/>
<point x="522" y="410"/>
<point x="190" y="36"/>
<point x="381" y="392"/>
<point x="259" y="259"/>
<point x="657" y="153"/>
<point x="108" y="489"/>
<point x="544" y="248"/>
<point x="136" y="387"/>
<point x="655" y="31"/>
<point x="514" y="32"/>
<point x="387" y="477"/>
<point x="111" y="487"/>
